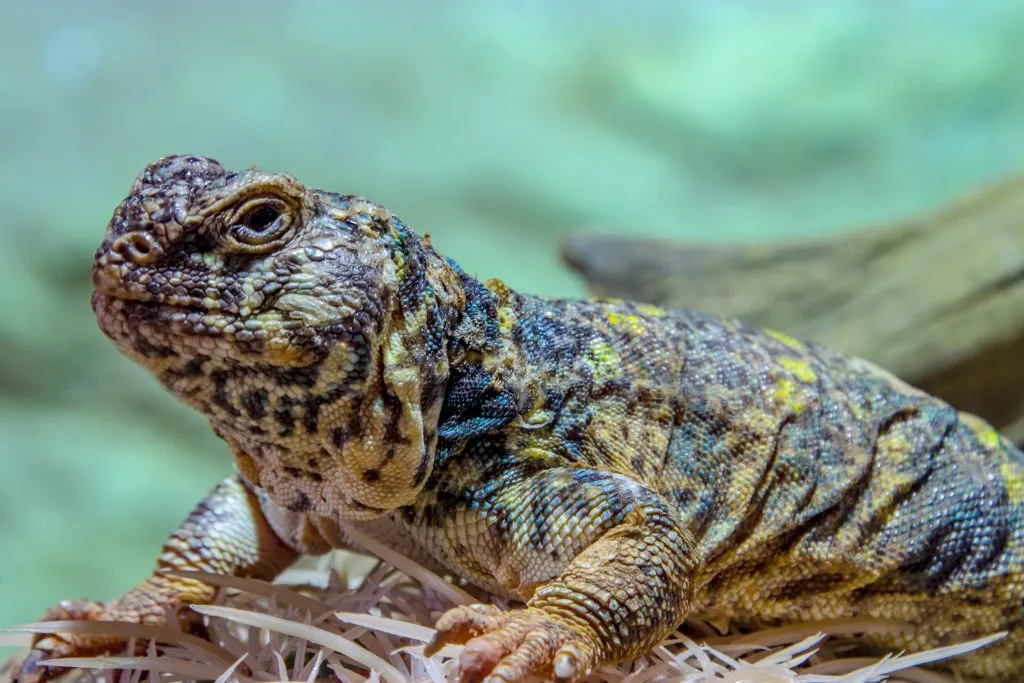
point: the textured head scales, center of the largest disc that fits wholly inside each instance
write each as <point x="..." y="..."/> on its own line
<point x="307" y="326"/>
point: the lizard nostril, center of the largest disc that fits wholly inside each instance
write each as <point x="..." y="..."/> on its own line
<point x="137" y="247"/>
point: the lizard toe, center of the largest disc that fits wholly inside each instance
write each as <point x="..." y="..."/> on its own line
<point x="46" y="646"/>
<point x="462" y="623"/>
<point x="534" y="650"/>
<point x="509" y="647"/>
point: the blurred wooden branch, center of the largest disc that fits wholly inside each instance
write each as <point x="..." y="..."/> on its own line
<point x="938" y="300"/>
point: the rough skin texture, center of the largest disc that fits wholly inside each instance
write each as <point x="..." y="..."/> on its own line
<point x="614" y="465"/>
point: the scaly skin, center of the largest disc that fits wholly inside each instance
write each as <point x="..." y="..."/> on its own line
<point x="614" y="465"/>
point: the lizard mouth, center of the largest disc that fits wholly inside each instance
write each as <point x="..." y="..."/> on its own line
<point x="151" y="313"/>
<point x="119" y="314"/>
<point x="150" y="289"/>
<point x="143" y="298"/>
<point x="139" y="324"/>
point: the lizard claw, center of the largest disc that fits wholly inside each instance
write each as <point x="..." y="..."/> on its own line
<point x="31" y="671"/>
<point x="508" y="647"/>
<point x="51" y="646"/>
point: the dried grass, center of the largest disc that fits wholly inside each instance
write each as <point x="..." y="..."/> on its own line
<point x="346" y="619"/>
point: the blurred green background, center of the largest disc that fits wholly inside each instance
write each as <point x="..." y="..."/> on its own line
<point x="499" y="128"/>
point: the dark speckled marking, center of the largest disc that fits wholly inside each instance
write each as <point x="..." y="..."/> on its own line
<point x="255" y="403"/>
<point x="421" y="470"/>
<point x="302" y="504"/>
<point x="221" y="395"/>
<point x="304" y="377"/>
<point x="194" y="368"/>
<point x="284" y="417"/>
<point x="311" y="414"/>
<point x="392" y="432"/>
<point x="807" y="587"/>
<point x="154" y="351"/>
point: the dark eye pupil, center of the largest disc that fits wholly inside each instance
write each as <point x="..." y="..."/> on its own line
<point x="261" y="218"/>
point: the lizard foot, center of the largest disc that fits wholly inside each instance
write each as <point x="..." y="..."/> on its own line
<point x="133" y="607"/>
<point x="508" y="647"/>
<point x="53" y="646"/>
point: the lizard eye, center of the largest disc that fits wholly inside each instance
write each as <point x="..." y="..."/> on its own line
<point x="260" y="219"/>
<point x="260" y="224"/>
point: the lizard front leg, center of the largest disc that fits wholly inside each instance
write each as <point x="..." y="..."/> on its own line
<point x="227" y="533"/>
<point x="603" y="564"/>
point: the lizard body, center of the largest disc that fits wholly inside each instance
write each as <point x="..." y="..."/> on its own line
<point x="615" y="465"/>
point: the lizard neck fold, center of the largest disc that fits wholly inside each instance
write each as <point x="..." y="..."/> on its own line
<point x="492" y="381"/>
<point x="384" y="449"/>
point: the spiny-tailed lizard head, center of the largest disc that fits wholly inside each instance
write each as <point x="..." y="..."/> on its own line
<point x="307" y="326"/>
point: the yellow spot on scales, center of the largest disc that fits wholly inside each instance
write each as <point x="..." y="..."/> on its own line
<point x="989" y="437"/>
<point x="785" y="339"/>
<point x="897" y="448"/>
<point x="498" y="287"/>
<point x="986" y="434"/>
<point x="539" y="455"/>
<point x="626" y="323"/>
<point x="801" y="369"/>
<point x="604" y="360"/>
<point x="506" y="313"/>
<point x="506" y="319"/>
<point x="789" y="395"/>
<point x="1014" y="478"/>
<point x="651" y="310"/>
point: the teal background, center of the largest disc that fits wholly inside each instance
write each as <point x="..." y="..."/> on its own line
<point x="498" y="128"/>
